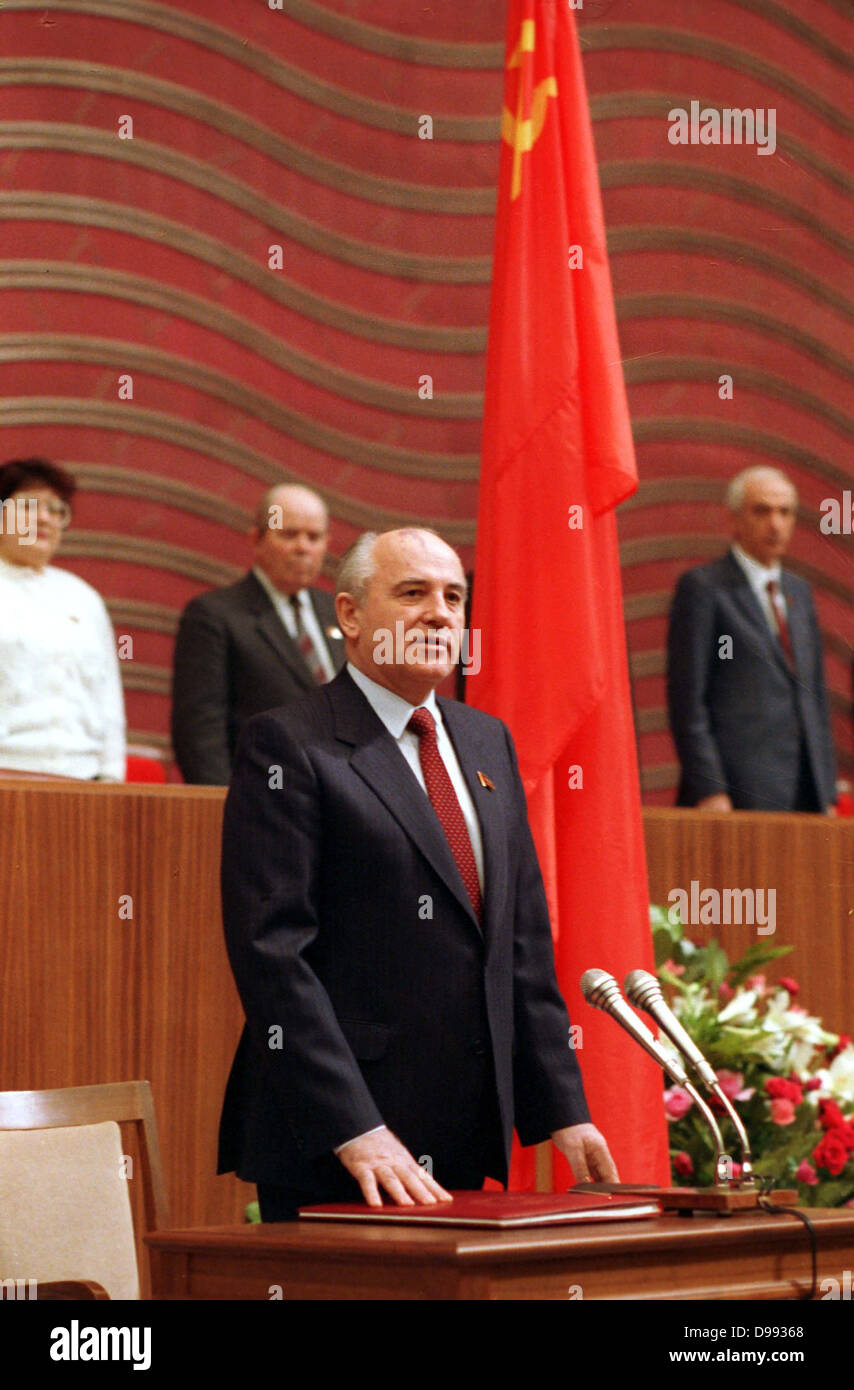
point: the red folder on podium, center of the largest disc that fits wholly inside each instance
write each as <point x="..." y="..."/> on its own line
<point x="498" y="1210"/>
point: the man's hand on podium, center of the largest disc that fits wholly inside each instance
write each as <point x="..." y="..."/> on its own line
<point x="379" y="1160"/>
<point x="587" y="1153"/>
<point x="719" y="801"/>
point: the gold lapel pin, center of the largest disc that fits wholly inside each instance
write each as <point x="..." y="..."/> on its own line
<point x="485" y="781"/>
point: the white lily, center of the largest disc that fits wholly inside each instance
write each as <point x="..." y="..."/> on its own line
<point x="839" y="1077"/>
<point x="741" y="1008"/>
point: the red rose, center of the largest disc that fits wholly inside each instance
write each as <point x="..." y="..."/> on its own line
<point x="831" y="1154"/>
<point x="683" y="1165"/>
<point x="787" y="983"/>
<point x="779" y="1088"/>
<point x="829" y="1115"/>
<point x="814" y="1084"/>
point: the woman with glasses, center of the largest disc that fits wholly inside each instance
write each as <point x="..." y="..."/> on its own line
<point x="61" y="704"/>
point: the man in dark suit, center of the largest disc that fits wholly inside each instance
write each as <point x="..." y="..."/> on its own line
<point x="258" y="643"/>
<point x="745" y="681"/>
<point x="386" y="922"/>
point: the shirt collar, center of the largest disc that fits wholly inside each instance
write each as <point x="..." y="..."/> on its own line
<point x="26" y="574"/>
<point x="392" y="709"/>
<point x="277" y="595"/>
<point x="758" y="574"/>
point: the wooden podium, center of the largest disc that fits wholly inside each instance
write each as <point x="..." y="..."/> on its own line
<point x="738" y="1257"/>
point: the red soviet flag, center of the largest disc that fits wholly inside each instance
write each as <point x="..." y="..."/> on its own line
<point x="557" y="459"/>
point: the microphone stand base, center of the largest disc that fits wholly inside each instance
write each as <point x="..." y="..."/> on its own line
<point x="688" y="1199"/>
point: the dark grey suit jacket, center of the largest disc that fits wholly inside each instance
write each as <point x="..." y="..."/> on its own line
<point x="745" y="723"/>
<point x="350" y="932"/>
<point x="234" y="658"/>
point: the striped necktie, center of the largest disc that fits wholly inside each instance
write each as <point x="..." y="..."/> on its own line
<point x="440" y="790"/>
<point x="779" y="610"/>
<point x="306" y="645"/>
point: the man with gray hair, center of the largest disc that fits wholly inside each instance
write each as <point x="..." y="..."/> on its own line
<point x="387" y="925"/>
<point x="258" y="643"/>
<point x="745" y="680"/>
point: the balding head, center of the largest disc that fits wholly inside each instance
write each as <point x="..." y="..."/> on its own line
<point x="285" y="498"/>
<point x="290" y="536"/>
<point x="763" y="504"/>
<point x="397" y="590"/>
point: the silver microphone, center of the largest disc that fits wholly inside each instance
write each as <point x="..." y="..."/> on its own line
<point x="602" y="991"/>
<point x="644" y="991"/>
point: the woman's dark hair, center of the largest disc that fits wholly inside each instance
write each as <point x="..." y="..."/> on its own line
<point x="20" y="473"/>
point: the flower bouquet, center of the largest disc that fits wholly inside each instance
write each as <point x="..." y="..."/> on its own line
<point x="791" y="1081"/>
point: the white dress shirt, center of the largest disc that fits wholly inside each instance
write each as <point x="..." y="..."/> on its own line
<point x="61" y="704"/>
<point x="283" y="606"/>
<point x="759" y="576"/>
<point x="395" y="713"/>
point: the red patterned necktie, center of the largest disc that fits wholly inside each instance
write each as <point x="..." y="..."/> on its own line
<point x="780" y="618"/>
<point x="440" y="790"/>
<point x="306" y="645"/>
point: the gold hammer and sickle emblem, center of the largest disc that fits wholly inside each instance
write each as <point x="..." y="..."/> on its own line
<point x="521" y="132"/>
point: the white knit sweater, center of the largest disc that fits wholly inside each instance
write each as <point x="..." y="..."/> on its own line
<point x="61" y="704"/>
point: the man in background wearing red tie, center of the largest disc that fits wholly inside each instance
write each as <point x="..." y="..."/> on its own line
<point x="258" y="643"/>
<point x="745" y="680"/>
<point x="386" y="922"/>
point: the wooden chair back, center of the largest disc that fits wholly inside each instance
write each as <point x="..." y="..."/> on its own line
<point x="123" y="1102"/>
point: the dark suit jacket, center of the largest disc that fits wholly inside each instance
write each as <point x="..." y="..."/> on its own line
<point x="349" y="930"/>
<point x="235" y="658"/>
<point x="745" y="724"/>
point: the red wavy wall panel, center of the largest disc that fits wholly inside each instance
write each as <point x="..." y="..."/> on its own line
<point x="298" y="126"/>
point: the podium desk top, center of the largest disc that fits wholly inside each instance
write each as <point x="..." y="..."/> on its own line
<point x="758" y="1255"/>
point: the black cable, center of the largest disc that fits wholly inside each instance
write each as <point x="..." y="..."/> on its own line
<point x="767" y="1205"/>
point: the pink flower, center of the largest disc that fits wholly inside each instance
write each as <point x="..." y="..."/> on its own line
<point x="732" y="1085"/>
<point x="786" y="982"/>
<point x="683" y="1164"/>
<point x="725" y="992"/>
<point x="806" y="1174"/>
<point x="756" y="982"/>
<point x="677" y="1102"/>
<point x="782" y="1112"/>
<point x="673" y="968"/>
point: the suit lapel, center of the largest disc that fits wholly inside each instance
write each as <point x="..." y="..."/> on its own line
<point x="328" y="624"/>
<point x="744" y="595"/>
<point x="377" y="759"/>
<point x="798" y="624"/>
<point x="271" y="630"/>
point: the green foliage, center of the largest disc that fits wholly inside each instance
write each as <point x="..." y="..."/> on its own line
<point x="706" y="964"/>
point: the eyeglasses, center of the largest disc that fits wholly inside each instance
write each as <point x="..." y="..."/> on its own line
<point x="59" y="512"/>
